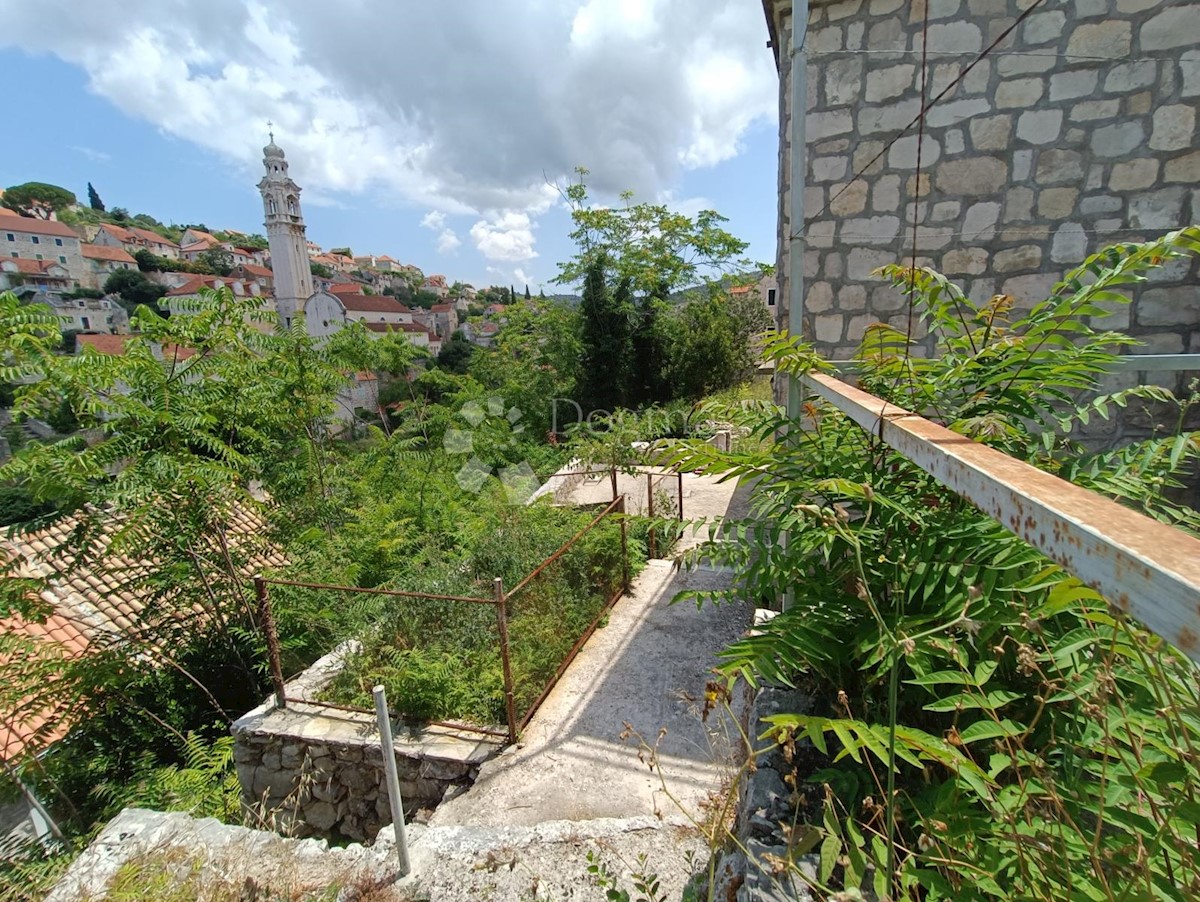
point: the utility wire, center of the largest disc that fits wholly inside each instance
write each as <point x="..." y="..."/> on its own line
<point x="926" y="107"/>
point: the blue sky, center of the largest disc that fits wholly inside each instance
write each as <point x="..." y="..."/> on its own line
<point x="439" y="159"/>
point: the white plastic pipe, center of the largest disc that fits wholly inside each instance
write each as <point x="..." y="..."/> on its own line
<point x="393" y="779"/>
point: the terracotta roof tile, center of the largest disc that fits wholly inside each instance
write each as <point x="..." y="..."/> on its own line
<point x="105" y="344"/>
<point x="371" y="303"/>
<point x="33" y="226"/>
<point x="31" y="267"/>
<point x="103" y="252"/>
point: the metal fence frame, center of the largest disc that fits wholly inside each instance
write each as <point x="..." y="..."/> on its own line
<point x="500" y="600"/>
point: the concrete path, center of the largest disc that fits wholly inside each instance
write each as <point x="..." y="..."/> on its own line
<point x="646" y="671"/>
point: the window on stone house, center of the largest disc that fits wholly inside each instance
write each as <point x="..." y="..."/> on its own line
<point x="58" y="242"/>
<point x="86" y="324"/>
<point x="62" y="260"/>
<point x="35" y="239"/>
<point x="12" y="237"/>
<point x="770" y="297"/>
<point x="37" y="256"/>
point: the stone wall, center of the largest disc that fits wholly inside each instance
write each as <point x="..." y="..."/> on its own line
<point x="1077" y="131"/>
<point x="315" y="771"/>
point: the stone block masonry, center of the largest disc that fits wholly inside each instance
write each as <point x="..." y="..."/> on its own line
<point x="1078" y="131"/>
<point x="312" y="771"/>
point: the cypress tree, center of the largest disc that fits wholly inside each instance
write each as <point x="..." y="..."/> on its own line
<point x="94" y="200"/>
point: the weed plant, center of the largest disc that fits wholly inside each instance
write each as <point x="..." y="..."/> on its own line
<point x="992" y="727"/>
<point x="440" y="660"/>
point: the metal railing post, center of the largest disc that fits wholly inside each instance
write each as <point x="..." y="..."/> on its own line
<point x="650" y="513"/>
<point x="267" y="618"/>
<point x="613" y="475"/>
<point x="510" y="704"/>
<point x="624" y="548"/>
<point x="679" y="479"/>
<point x="393" y="779"/>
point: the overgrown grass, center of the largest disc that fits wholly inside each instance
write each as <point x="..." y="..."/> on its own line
<point x="440" y="660"/>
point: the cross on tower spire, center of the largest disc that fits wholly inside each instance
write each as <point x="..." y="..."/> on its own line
<point x="271" y="130"/>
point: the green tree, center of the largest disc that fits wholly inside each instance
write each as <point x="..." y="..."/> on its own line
<point x="649" y="244"/>
<point x="528" y="296"/>
<point x="216" y="260"/>
<point x="651" y="340"/>
<point x="94" y="200"/>
<point x="455" y="355"/>
<point x="134" y="289"/>
<point x="320" y="270"/>
<point x="148" y="261"/>
<point x="37" y="199"/>
<point x="342" y="251"/>
<point x="607" y="337"/>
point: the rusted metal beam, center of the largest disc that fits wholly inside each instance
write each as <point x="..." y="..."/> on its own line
<point x="1145" y="568"/>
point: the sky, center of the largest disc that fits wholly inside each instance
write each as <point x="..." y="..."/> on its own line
<point x="434" y="132"/>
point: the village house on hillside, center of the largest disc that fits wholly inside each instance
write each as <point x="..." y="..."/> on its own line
<point x="100" y="262"/>
<point x="40" y="240"/>
<point x="134" y="239"/>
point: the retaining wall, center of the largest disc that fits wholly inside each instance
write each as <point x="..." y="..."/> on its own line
<point x="317" y="771"/>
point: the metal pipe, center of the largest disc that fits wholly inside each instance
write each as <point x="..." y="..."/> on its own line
<point x="1145" y="568"/>
<point x="510" y="704"/>
<point x="266" y="618"/>
<point x="650" y="513"/>
<point x="797" y="176"/>
<point x="393" y="779"/>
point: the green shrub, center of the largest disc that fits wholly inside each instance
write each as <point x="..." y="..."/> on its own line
<point x="993" y="729"/>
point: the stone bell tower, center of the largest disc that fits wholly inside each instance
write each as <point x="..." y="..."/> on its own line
<point x="285" y="234"/>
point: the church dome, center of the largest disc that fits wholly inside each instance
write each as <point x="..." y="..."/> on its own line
<point x="273" y="151"/>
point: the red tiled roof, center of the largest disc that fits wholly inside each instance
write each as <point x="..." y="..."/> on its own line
<point x="198" y="247"/>
<point x="258" y="272"/>
<point x="345" y="288"/>
<point x="152" y="237"/>
<point x="495" y="308"/>
<point x="37" y="721"/>
<point x="105" y="344"/>
<point x="740" y="289"/>
<point x="412" y="327"/>
<point x="94" y="601"/>
<point x="38" y="227"/>
<point x="371" y="303"/>
<point x="31" y="267"/>
<point x="380" y="327"/>
<point x="489" y="328"/>
<point x="177" y="353"/>
<point x="103" y="252"/>
<point x="442" y="308"/>
<point x="121" y="234"/>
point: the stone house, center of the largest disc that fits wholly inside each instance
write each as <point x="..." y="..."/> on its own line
<point x="436" y="284"/>
<point x="1076" y="131"/>
<point x="40" y="275"/>
<point x="326" y="312"/>
<point x="89" y="314"/>
<point x="440" y="319"/>
<point x="252" y="272"/>
<point x="135" y="239"/>
<point x="100" y="262"/>
<point x="766" y="289"/>
<point x="41" y="240"/>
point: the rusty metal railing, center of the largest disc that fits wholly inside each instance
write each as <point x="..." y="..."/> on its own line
<point x="500" y="600"/>
<point x="1145" y="568"/>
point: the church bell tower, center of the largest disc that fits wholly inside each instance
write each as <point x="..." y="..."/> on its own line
<point x="285" y="234"/>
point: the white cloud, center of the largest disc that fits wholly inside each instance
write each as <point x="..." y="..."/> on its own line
<point x="507" y="237"/>
<point x="96" y="156"/>
<point x="474" y="116"/>
<point x="448" y="240"/>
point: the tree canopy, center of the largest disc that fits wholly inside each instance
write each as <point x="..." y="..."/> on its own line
<point x="94" y="200"/>
<point x="652" y="246"/>
<point x="37" y="199"/>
